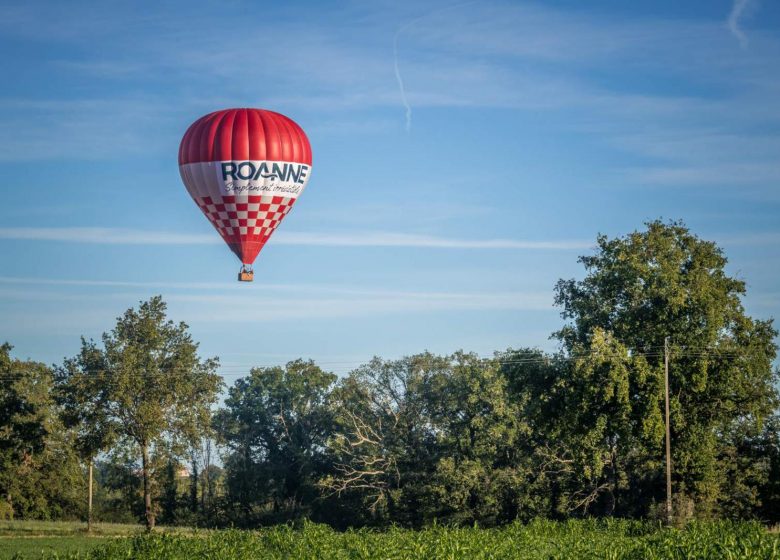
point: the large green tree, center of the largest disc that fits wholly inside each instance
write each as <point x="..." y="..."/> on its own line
<point x="596" y="423"/>
<point x="663" y="282"/>
<point x="275" y="424"/>
<point x="146" y="385"/>
<point x="481" y="474"/>
<point x="429" y="437"/>
<point x="38" y="466"/>
<point x="384" y="448"/>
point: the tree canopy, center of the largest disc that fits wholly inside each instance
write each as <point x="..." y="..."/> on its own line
<point x="459" y="439"/>
<point x="38" y="464"/>
<point x="146" y="385"/>
<point x="274" y="426"/>
<point x="666" y="282"/>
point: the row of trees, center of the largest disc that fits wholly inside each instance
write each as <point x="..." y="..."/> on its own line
<point x="457" y="439"/>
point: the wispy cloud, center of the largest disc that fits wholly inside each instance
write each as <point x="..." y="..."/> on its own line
<point x="80" y="282"/>
<point x="383" y="239"/>
<point x="111" y="236"/>
<point x="716" y="174"/>
<point x="751" y="239"/>
<point x="219" y="292"/>
<point x="239" y="308"/>
<point x="398" y="77"/>
<point x="532" y="56"/>
<point x="733" y="21"/>
<point x="400" y="80"/>
<point x="107" y="236"/>
<point x="86" y="129"/>
<point x="207" y="304"/>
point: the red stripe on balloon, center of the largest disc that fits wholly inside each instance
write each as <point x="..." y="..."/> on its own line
<point x="244" y="134"/>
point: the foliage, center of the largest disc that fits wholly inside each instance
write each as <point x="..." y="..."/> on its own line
<point x="118" y="488"/>
<point x="480" y="433"/>
<point x="275" y="425"/>
<point x="147" y="385"/>
<point x="666" y="282"/>
<point x="39" y="471"/>
<point x="382" y="447"/>
<point x="425" y="439"/>
<point x="610" y="539"/>
<point x="430" y="437"/>
<point x="597" y="424"/>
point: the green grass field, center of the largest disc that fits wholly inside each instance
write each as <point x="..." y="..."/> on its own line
<point x="610" y="539"/>
<point x="60" y="528"/>
<point x="42" y="539"/>
<point x="43" y="547"/>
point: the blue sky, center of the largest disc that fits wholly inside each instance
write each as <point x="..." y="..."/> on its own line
<point x="464" y="155"/>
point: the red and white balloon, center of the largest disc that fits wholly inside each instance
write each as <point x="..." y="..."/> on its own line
<point x="245" y="168"/>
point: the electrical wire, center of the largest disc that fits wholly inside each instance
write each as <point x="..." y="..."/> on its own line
<point x="235" y="371"/>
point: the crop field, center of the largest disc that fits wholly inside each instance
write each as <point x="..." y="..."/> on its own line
<point x="612" y="539"/>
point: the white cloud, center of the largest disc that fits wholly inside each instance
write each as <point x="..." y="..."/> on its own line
<point x="34" y="281"/>
<point x="382" y="239"/>
<point x="86" y="129"/>
<point x="751" y="239"/>
<point x="269" y="308"/>
<point x="715" y="174"/>
<point x="211" y="303"/>
<point x="107" y="236"/>
<point x="112" y="236"/>
<point x="220" y="292"/>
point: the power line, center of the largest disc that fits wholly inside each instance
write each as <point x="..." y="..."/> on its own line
<point x="238" y="370"/>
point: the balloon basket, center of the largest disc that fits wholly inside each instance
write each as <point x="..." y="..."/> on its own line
<point x="246" y="275"/>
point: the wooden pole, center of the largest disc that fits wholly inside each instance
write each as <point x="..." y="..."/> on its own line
<point x="668" y="436"/>
<point x="89" y="509"/>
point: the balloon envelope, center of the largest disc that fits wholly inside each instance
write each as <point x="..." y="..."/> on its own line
<point x="245" y="168"/>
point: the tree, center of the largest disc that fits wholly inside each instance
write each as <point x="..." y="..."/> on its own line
<point x="769" y="452"/>
<point x="275" y="424"/>
<point x="146" y="384"/>
<point x="38" y="467"/>
<point x="384" y="447"/>
<point x="536" y="382"/>
<point x="84" y="411"/>
<point x="119" y="486"/>
<point x="600" y="429"/>
<point x="666" y="282"/>
<point x="169" y="499"/>
<point x="481" y="435"/>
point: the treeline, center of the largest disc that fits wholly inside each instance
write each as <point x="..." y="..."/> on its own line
<point x="456" y="439"/>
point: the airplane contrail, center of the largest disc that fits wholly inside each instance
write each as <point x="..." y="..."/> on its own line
<point x="401" y="81"/>
<point x="398" y="77"/>
<point x="733" y="22"/>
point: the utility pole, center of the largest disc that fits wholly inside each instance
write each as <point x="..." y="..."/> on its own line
<point x="668" y="436"/>
<point x="89" y="509"/>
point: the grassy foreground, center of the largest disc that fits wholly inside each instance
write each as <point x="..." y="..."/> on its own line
<point x="36" y="539"/>
<point x="52" y="539"/>
<point x="608" y="539"/>
<point x="62" y="528"/>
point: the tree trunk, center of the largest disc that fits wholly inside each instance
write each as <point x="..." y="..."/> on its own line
<point x="89" y="507"/>
<point x="613" y="482"/>
<point x="147" y="488"/>
<point x="206" y="492"/>
<point x="194" y="486"/>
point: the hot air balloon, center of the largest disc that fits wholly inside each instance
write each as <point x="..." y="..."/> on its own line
<point x="245" y="168"/>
